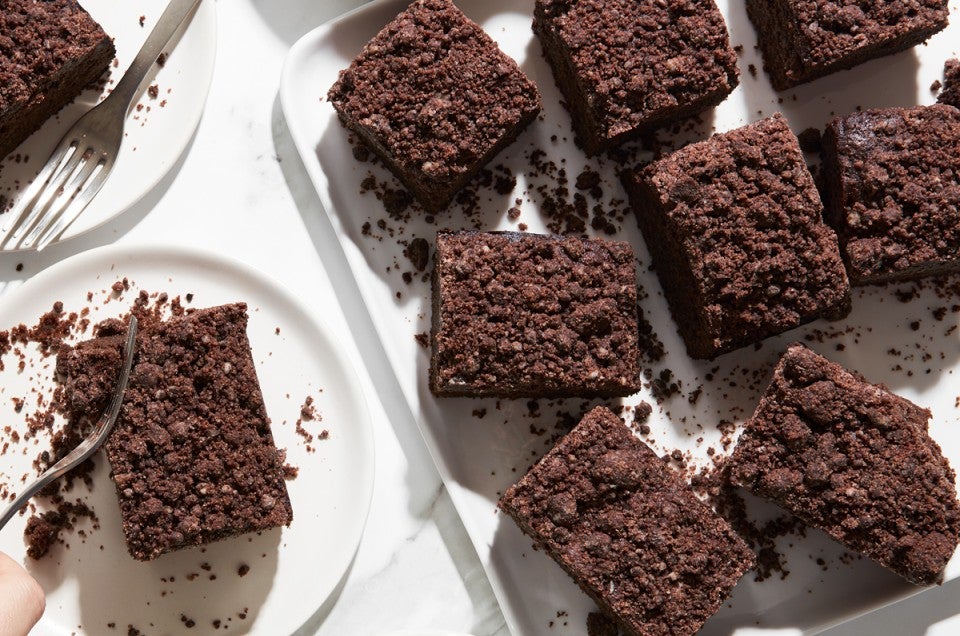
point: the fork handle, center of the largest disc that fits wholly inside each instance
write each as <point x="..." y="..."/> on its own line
<point x="128" y="88"/>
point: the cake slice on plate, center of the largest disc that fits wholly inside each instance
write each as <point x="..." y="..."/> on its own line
<point x="854" y="460"/>
<point x="49" y="52"/>
<point x="192" y="454"/>
<point x="802" y="40"/>
<point x="626" y="67"/>
<point x="530" y="315"/>
<point x="734" y="226"/>
<point x="892" y="177"/>
<point x="628" y="529"/>
<point x="435" y="98"/>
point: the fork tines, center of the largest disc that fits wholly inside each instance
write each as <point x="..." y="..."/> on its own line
<point x="57" y="196"/>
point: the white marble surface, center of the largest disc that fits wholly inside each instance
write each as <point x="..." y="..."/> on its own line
<point x="240" y="189"/>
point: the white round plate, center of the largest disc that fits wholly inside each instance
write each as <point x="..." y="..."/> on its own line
<point x="93" y="582"/>
<point x="155" y="135"/>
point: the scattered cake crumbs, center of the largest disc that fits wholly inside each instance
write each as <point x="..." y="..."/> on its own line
<point x="664" y="386"/>
<point x="761" y="536"/>
<point x="651" y="348"/>
<point x="418" y="251"/>
<point x="308" y="413"/>
<point x="641" y="415"/>
<point x="43" y="530"/>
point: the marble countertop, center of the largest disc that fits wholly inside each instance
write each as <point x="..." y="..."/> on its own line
<point x="241" y="189"/>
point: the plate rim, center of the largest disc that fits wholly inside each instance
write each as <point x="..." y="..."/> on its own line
<point x="363" y="422"/>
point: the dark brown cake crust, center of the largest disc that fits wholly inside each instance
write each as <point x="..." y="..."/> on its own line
<point x="628" y="529"/>
<point x="734" y="228"/>
<point x="854" y="460"/>
<point x="628" y="66"/>
<point x="802" y="40"/>
<point x="50" y="50"/>
<point x="893" y="184"/>
<point x="950" y="94"/>
<point x="527" y="315"/>
<point x="192" y="455"/>
<point x="435" y="98"/>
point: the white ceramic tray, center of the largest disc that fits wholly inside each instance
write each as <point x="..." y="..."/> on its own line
<point x="479" y="458"/>
<point x="157" y="130"/>
<point x="93" y="581"/>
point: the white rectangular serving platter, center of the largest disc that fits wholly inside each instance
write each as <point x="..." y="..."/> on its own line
<point x="480" y="457"/>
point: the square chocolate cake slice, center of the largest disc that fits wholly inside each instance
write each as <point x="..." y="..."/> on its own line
<point x="628" y="66"/>
<point x="893" y="191"/>
<point x="192" y="454"/>
<point x="435" y="98"/>
<point x="527" y="315"/>
<point x="50" y="50"/>
<point x="734" y="227"/>
<point x="854" y="460"/>
<point x="802" y="40"/>
<point x="628" y="529"/>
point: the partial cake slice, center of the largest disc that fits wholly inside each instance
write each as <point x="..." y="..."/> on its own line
<point x="802" y="40"/>
<point x="950" y="94"/>
<point x="893" y="191"/>
<point x="435" y="98"/>
<point x="50" y="50"/>
<point x="628" y="529"/>
<point x="628" y="66"/>
<point x="734" y="227"/>
<point x="527" y="315"/>
<point x="854" y="460"/>
<point x="192" y="454"/>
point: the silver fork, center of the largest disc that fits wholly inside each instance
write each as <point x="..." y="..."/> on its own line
<point x="81" y="162"/>
<point x="93" y="441"/>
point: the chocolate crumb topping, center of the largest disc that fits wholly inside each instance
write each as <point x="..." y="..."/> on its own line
<point x="802" y="40"/>
<point x="628" y="530"/>
<point x="628" y="66"/>
<point x="734" y="228"/>
<point x="526" y="315"/>
<point x="951" y="84"/>
<point x="854" y="460"/>
<point x="893" y="191"/>
<point x="434" y="97"/>
<point x="192" y="455"/>
<point x="49" y="52"/>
